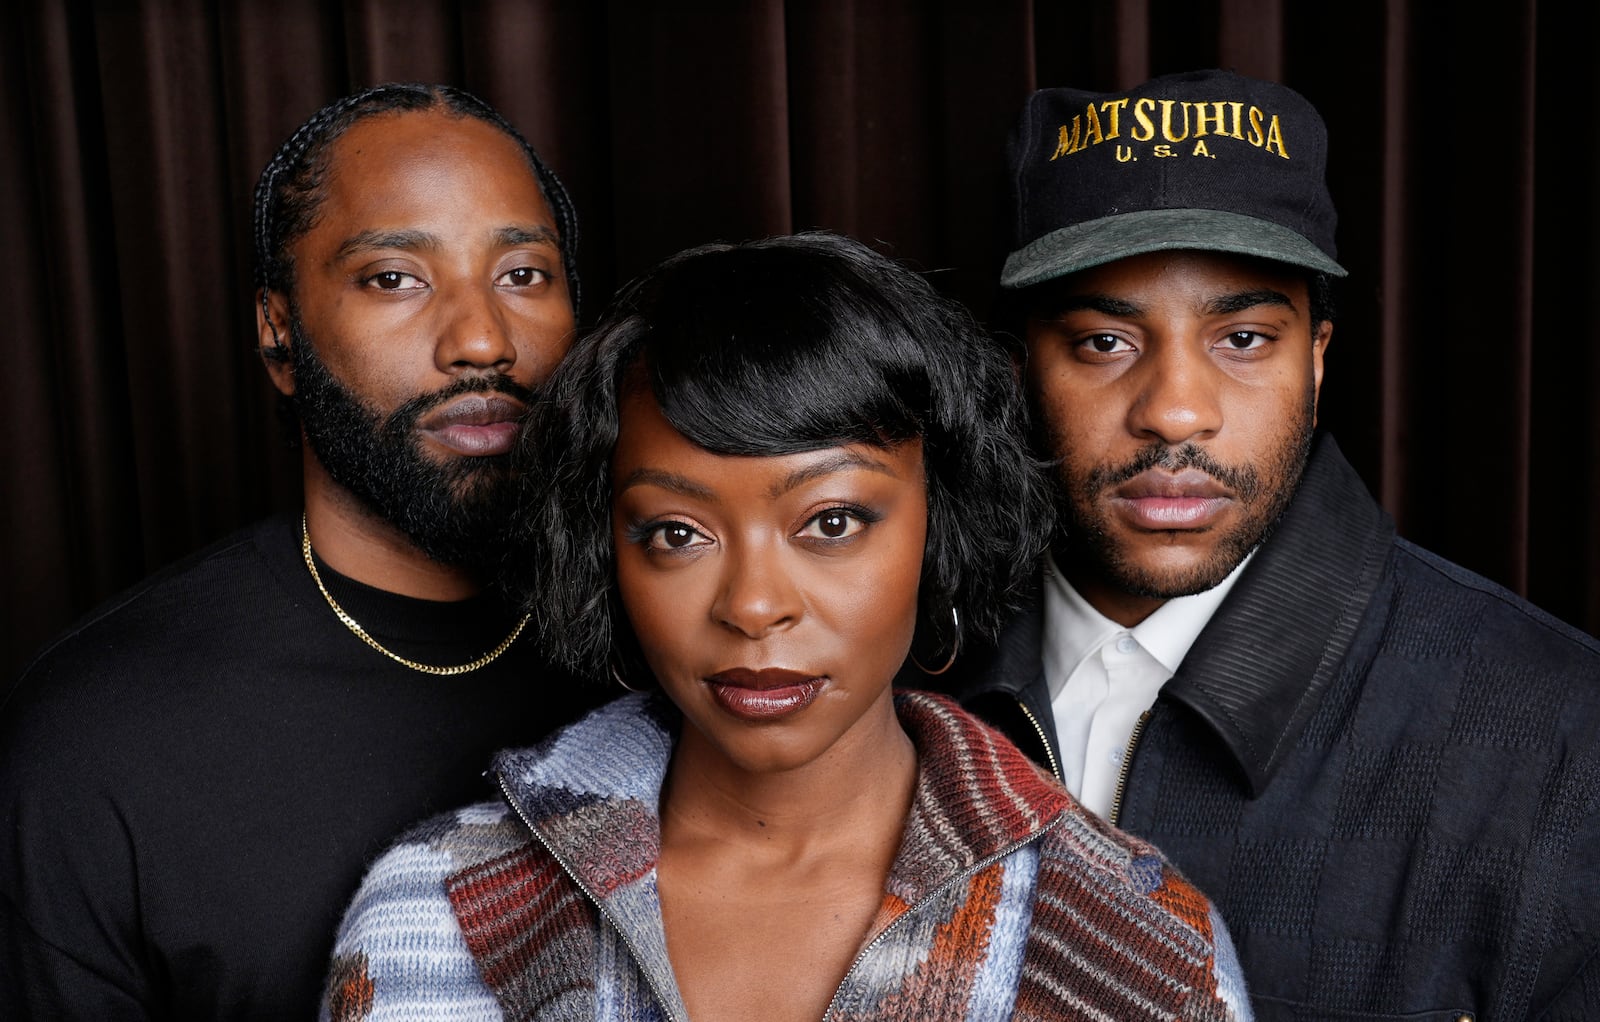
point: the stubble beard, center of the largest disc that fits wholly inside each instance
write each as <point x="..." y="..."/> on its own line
<point x="455" y="510"/>
<point x="1086" y="546"/>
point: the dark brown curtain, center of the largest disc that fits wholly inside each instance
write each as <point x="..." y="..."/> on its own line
<point x="139" y="425"/>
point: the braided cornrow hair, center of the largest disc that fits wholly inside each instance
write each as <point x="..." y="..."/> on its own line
<point x="290" y="188"/>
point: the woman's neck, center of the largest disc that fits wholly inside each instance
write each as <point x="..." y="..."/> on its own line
<point x="760" y="870"/>
<point x="856" y="793"/>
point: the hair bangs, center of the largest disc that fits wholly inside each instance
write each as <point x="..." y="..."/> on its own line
<point x="773" y="395"/>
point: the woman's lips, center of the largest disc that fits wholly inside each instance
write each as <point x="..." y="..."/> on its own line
<point x="477" y="425"/>
<point x="1163" y="501"/>
<point x="764" y="695"/>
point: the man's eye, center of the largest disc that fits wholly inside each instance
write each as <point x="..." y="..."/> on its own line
<point x="393" y="280"/>
<point x="835" y="523"/>
<point x="674" y="536"/>
<point x="523" y="276"/>
<point x="1105" y="344"/>
<point x="1245" y="340"/>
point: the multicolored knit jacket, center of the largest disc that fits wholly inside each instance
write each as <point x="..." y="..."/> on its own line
<point x="1006" y="899"/>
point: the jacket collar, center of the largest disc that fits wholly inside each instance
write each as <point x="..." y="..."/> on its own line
<point x="977" y="797"/>
<point x="1260" y="667"/>
<point x="1263" y="662"/>
<point x="591" y="794"/>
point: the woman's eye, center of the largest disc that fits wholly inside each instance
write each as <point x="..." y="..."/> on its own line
<point x="674" y="536"/>
<point x="523" y="276"/>
<point x="835" y="523"/>
<point x="393" y="280"/>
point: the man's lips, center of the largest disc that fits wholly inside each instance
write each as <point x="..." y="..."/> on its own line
<point x="763" y="695"/>
<point x="1163" y="501"/>
<point x="476" y="425"/>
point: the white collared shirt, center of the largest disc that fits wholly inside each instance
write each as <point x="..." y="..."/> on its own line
<point x="1103" y="677"/>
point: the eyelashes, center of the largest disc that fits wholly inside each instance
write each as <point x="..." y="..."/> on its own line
<point x="834" y="525"/>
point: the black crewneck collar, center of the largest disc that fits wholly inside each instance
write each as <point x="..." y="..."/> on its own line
<point x="434" y="631"/>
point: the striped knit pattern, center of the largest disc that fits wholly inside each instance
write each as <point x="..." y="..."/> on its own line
<point x="1006" y="899"/>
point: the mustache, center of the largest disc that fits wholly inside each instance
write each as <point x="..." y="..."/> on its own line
<point x="1244" y="481"/>
<point x="405" y="418"/>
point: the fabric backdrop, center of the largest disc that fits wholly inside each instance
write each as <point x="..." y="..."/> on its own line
<point x="1462" y="380"/>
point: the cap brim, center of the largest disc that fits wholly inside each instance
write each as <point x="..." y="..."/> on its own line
<point x="1108" y="239"/>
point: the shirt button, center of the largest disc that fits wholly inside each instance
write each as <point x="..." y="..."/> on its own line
<point x="1127" y="644"/>
<point x="1115" y="756"/>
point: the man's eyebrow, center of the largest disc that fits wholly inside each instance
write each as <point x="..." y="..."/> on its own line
<point x="1101" y="303"/>
<point x="667" y="481"/>
<point x="367" y="240"/>
<point x="1240" y="301"/>
<point x="536" y="235"/>
<point x="837" y="462"/>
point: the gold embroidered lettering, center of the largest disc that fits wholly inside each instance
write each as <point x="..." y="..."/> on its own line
<point x="1257" y="135"/>
<point x="1125" y="154"/>
<point x="1091" y="132"/>
<point x="1201" y="150"/>
<point x="1204" y="125"/>
<point x="1237" y="117"/>
<point x="1166" y="121"/>
<point x="1164" y="151"/>
<point x="1113" y="110"/>
<point x="1146" y="129"/>
<point x="1275" y="138"/>
<point x="1067" y="142"/>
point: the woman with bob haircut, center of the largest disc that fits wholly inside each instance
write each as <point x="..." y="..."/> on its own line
<point x="775" y="475"/>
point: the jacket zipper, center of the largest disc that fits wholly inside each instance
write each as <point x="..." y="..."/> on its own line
<point x="1044" y="739"/>
<point x="598" y="904"/>
<point x="976" y="867"/>
<point x="1127" y="766"/>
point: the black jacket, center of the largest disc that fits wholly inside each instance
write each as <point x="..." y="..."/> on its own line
<point x="1383" y="769"/>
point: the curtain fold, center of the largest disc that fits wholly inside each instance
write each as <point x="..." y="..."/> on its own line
<point x="1464" y="371"/>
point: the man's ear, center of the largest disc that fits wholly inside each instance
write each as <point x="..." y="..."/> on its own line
<point x="1319" y="348"/>
<point x="272" y="338"/>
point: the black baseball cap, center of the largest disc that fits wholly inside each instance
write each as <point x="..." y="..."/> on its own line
<point x="1205" y="160"/>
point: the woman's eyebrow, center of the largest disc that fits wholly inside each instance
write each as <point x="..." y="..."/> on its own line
<point x="667" y="481"/>
<point x="837" y="462"/>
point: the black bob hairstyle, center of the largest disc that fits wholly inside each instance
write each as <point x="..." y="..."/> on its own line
<point x="776" y="347"/>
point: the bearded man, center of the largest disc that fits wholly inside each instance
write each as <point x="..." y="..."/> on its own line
<point x="1382" y="768"/>
<point x="194" y="777"/>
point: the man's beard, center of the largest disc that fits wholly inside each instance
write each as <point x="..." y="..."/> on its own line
<point x="1263" y="491"/>
<point x="455" y="510"/>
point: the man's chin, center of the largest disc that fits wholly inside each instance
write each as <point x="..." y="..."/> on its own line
<point x="1161" y="573"/>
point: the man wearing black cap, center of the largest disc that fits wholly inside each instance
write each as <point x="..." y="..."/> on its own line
<point x="1383" y="768"/>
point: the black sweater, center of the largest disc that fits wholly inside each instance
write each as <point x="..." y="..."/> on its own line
<point x="194" y="778"/>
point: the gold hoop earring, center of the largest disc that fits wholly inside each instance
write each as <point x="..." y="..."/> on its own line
<point x="616" y="676"/>
<point x="955" y="647"/>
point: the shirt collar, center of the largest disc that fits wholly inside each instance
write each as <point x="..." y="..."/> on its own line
<point x="1074" y="629"/>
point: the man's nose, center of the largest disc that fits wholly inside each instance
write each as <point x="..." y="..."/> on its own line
<point x="473" y="332"/>
<point x="1177" y="398"/>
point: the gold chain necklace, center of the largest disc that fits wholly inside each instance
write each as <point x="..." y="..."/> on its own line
<point x="361" y="633"/>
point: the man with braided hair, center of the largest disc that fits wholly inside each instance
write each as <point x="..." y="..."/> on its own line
<point x="193" y="778"/>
